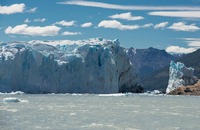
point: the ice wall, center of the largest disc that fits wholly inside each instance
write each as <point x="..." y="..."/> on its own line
<point x="85" y="66"/>
<point x="180" y="75"/>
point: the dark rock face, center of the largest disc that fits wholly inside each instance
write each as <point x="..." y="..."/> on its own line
<point x="187" y="90"/>
<point x="149" y="60"/>
<point x="136" y="89"/>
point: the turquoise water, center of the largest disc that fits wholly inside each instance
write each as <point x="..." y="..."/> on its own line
<point x="100" y="112"/>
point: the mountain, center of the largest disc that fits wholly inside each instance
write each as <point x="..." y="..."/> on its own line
<point x="149" y="60"/>
<point x="85" y="66"/>
<point x="159" y="79"/>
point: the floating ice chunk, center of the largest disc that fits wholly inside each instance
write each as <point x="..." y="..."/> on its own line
<point x="14" y="93"/>
<point x="11" y="99"/>
<point x="157" y="92"/>
<point x="113" y="95"/>
<point x="17" y="93"/>
<point x="24" y="101"/>
<point x="93" y="125"/>
<point x="72" y="114"/>
<point x="77" y="94"/>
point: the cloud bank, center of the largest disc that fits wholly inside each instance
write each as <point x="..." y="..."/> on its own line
<point x="66" y="23"/>
<point x="12" y="9"/>
<point x="161" y="25"/>
<point x="33" y="10"/>
<point x="129" y="7"/>
<point x="179" y="50"/>
<point x="192" y="42"/>
<point x="126" y="16"/>
<point x="39" y="20"/>
<point x="24" y="29"/>
<point x="86" y="25"/>
<point x="182" y="14"/>
<point x="117" y="25"/>
<point x="66" y="33"/>
<point x="182" y="26"/>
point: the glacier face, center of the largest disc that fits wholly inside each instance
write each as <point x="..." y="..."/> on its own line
<point x="84" y="66"/>
<point x="180" y="75"/>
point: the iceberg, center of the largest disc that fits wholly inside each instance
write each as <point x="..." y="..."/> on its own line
<point x="17" y="93"/>
<point x="85" y="66"/>
<point x="180" y="75"/>
<point x="11" y="99"/>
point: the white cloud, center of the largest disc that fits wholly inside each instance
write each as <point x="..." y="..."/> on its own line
<point x="161" y="25"/>
<point x="147" y="25"/>
<point x="85" y="25"/>
<point x="128" y="7"/>
<point x="66" y="23"/>
<point x="15" y="8"/>
<point x="117" y="25"/>
<point x="179" y="50"/>
<point x="27" y="20"/>
<point x="33" y="10"/>
<point x="66" y="33"/>
<point x="39" y="20"/>
<point x="182" y="14"/>
<point x="126" y="16"/>
<point x="192" y="42"/>
<point x="24" y="29"/>
<point x="35" y="20"/>
<point x="181" y="26"/>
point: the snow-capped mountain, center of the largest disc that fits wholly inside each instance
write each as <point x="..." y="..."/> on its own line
<point x="85" y="66"/>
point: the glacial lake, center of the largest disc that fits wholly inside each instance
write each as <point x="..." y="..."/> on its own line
<point x="100" y="112"/>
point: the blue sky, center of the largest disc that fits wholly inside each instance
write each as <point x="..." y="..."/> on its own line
<point x="173" y="25"/>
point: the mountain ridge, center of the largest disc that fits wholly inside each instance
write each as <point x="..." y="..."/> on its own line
<point x="159" y="79"/>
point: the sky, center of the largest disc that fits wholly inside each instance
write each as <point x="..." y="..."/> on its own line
<point x="173" y="25"/>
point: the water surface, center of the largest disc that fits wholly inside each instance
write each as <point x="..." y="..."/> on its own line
<point x="100" y="112"/>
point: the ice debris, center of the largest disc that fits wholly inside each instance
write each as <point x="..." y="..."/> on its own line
<point x="11" y="99"/>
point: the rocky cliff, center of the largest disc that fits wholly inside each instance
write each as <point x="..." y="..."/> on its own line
<point x="149" y="60"/>
<point x="187" y="90"/>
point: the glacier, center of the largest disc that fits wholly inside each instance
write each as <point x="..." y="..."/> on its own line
<point x="95" y="65"/>
<point x="180" y="75"/>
